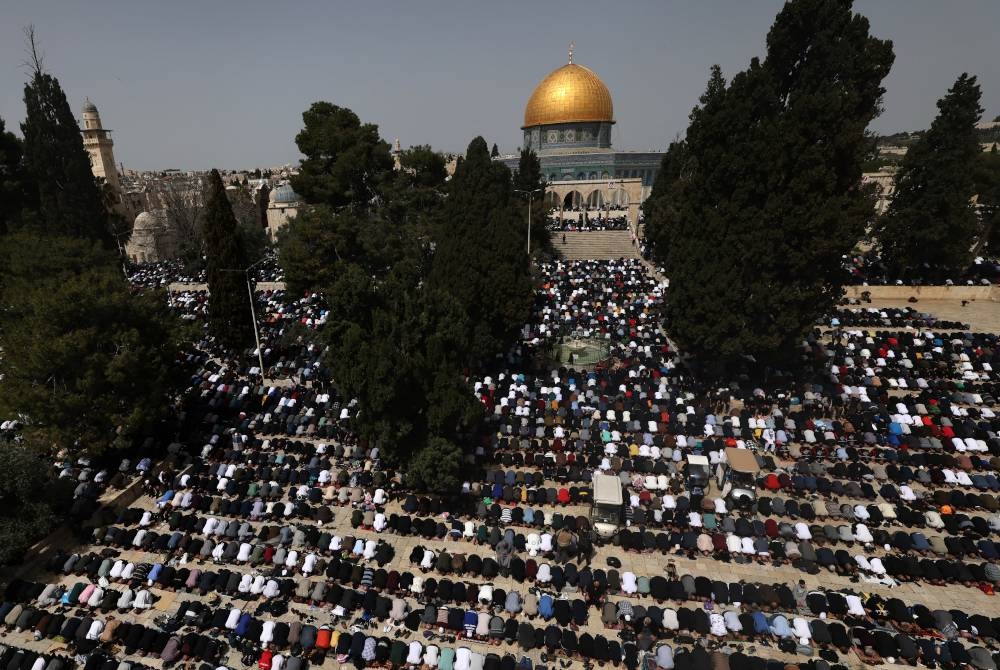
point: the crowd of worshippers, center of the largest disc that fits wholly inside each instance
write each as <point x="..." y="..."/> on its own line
<point x="615" y="219"/>
<point x="286" y="328"/>
<point x="868" y="270"/>
<point x="347" y="581"/>
<point x="160" y="274"/>
<point x="890" y="317"/>
<point x="797" y="620"/>
<point x="903" y="483"/>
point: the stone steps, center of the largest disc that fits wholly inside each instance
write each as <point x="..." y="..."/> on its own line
<point x="595" y="245"/>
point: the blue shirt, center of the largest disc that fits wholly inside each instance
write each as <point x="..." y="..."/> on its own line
<point x="780" y="627"/>
<point x="545" y="606"/>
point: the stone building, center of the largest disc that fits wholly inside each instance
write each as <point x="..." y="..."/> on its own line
<point x="568" y="122"/>
<point x="283" y="204"/>
<point x="152" y="238"/>
<point x="98" y="143"/>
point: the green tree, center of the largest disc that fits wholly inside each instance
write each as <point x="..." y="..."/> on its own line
<point x="13" y="180"/>
<point x="229" y="318"/>
<point x="660" y="208"/>
<point x="436" y="468"/>
<point x="319" y="244"/>
<point x="69" y="200"/>
<point x="480" y="258"/>
<point x="395" y="345"/>
<point x="528" y="179"/>
<point x="930" y="225"/>
<point x="528" y="175"/>
<point x="765" y="186"/>
<point x="29" y="506"/>
<point x="986" y="175"/>
<point x="494" y="152"/>
<point x="346" y="162"/>
<point x="417" y="190"/>
<point x="85" y="361"/>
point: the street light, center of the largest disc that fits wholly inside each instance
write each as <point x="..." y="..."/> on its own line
<point x="530" y="194"/>
<point x="253" y="312"/>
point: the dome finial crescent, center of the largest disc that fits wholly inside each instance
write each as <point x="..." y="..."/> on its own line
<point x="572" y="45"/>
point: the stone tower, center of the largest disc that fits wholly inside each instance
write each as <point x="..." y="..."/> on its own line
<point x="97" y="142"/>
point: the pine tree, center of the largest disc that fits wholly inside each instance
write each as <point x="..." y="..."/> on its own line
<point x="69" y="200"/>
<point x="930" y="225"/>
<point x="346" y="162"/>
<point x="229" y="317"/>
<point x="494" y="152"/>
<point x="87" y="361"/>
<point x="753" y="211"/>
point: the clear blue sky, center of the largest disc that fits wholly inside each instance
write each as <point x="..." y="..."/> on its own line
<point x="223" y="83"/>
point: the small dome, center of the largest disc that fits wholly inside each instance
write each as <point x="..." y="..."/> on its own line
<point x="283" y="195"/>
<point x="144" y="222"/>
<point x="569" y="94"/>
<point x="89" y="107"/>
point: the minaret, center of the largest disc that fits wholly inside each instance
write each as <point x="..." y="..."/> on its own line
<point x="397" y="153"/>
<point x="97" y="142"/>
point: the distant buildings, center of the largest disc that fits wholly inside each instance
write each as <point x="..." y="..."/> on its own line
<point x="165" y="206"/>
<point x="885" y="187"/>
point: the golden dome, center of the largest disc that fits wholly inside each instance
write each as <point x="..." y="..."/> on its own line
<point x="569" y="94"/>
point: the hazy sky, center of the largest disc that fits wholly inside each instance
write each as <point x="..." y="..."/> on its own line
<point x="191" y="84"/>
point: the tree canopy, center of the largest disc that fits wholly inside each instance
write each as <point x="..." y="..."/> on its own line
<point x="69" y="200"/>
<point x="31" y="501"/>
<point x="421" y="281"/>
<point x="346" y="162"/>
<point x="931" y="225"/>
<point x="417" y="189"/>
<point x="986" y="175"/>
<point x="86" y="362"/>
<point x="229" y="319"/>
<point x="13" y="184"/>
<point x="480" y="257"/>
<point x="753" y="211"/>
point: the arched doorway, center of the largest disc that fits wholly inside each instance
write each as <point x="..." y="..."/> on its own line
<point x="573" y="200"/>
<point x="619" y="198"/>
<point x="595" y="199"/>
<point x="552" y="201"/>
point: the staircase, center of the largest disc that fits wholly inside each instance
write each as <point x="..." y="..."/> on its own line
<point x="595" y="245"/>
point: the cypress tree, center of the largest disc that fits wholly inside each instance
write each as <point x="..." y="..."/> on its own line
<point x="480" y="257"/>
<point x="12" y="179"/>
<point x="229" y="318"/>
<point x="69" y="200"/>
<point x="658" y="210"/>
<point x="528" y="177"/>
<point x="930" y="225"/>
<point x="753" y="211"/>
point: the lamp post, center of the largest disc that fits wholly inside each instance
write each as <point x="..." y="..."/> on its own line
<point x="253" y="312"/>
<point x="530" y="193"/>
